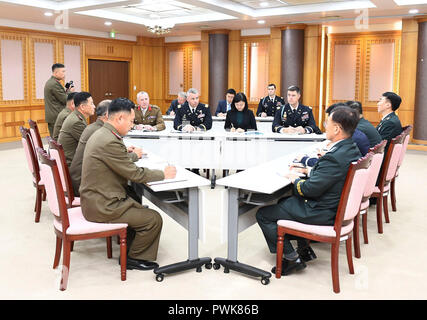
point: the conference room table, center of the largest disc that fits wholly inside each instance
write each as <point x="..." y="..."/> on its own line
<point x="264" y="158"/>
<point x="178" y="198"/>
<point x="217" y="149"/>
<point x="248" y="191"/>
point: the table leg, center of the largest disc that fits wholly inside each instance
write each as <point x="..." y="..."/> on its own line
<point x="233" y="232"/>
<point x="193" y="260"/>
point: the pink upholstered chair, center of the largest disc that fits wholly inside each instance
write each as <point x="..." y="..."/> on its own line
<point x="33" y="165"/>
<point x="374" y="170"/>
<point x="387" y="173"/>
<point x="70" y="224"/>
<point x="35" y="135"/>
<point x="348" y="208"/>
<point x="56" y="151"/>
<point x="407" y="132"/>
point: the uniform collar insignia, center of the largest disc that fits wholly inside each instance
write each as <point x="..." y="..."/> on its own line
<point x="117" y="135"/>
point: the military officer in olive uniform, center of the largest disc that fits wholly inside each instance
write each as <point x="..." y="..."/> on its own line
<point x="390" y="126"/>
<point x="104" y="192"/>
<point x="315" y="199"/>
<point x="269" y="105"/>
<point x="55" y="95"/>
<point x="75" y="123"/>
<point x="194" y="116"/>
<point x="294" y="117"/>
<point x="76" y="165"/>
<point x="63" y="114"/>
<point x="148" y="117"/>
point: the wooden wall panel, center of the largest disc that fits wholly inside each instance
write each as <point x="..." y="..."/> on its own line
<point x="15" y="113"/>
<point x="234" y="64"/>
<point x="24" y="64"/>
<point x="275" y="62"/>
<point x="408" y="71"/>
<point x="311" y="78"/>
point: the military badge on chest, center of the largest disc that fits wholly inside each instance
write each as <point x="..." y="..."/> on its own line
<point x="305" y="116"/>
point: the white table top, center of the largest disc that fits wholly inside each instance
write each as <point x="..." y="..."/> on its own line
<point x="267" y="177"/>
<point x="249" y="135"/>
<point x="184" y="178"/>
<point x="215" y="118"/>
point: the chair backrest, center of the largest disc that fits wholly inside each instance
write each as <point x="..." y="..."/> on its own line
<point x="407" y="132"/>
<point x="30" y="154"/>
<point x="391" y="160"/>
<point x="374" y="169"/>
<point x="56" y="151"/>
<point x="54" y="191"/>
<point x="35" y="134"/>
<point x="352" y="193"/>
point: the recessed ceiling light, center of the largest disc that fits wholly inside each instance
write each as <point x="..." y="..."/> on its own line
<point x="48" y="14"/>
<point x="108" y="23"/>
<point x="413" y="11"/>
<point x="261" y="21"/>
<point x="263" y="4"/>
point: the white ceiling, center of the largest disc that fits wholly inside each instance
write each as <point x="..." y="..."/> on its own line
<point x="129" y="18"/>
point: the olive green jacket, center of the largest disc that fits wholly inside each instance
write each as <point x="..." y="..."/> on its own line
<point x="106" y="171"/>
<point x="76" y="164"/>
<point x="59" y="122"/>
<point x="70" y="133"/>
<point x="55" y="99"/>
<point x="153" y="117"/>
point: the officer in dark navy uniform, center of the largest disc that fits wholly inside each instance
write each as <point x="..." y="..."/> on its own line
<point x="180" y="100"/>
<point x="193" y="116"/>
<point x="294" y="117"/>
<point x="271" y="104"/>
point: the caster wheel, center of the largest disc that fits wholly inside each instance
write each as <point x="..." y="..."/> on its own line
<point x="226" y="270"/>
<point x="160" y="277"/>
<point x="265" y="281"/>
<point x="199" y="269"/>
<point x="216" y="266"/>
<point x="208" y="266"/>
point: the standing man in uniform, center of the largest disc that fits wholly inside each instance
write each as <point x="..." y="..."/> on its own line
<point x="110" y="199"/>
<point x="179" y="101"/>
<point x="315" y="199"/>
<point x="225" y="105"/>
<point x="55" y="95"/>
<point x="75" y="123"/>
<point x="271" y="104"/>
<point x="194" y="116"/>
<point x="63" y="114"/>
<point x="148" y="117"/>
<point x="294" y="117"/>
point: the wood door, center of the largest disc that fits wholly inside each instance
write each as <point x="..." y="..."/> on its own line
<point x="108" y="80"/>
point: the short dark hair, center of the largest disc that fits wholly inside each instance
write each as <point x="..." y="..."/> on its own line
<point x="294" y="88"/>
<point x="394" y="99"/>
<point x="237" y="98"/>
<point x="70" y="96"/>
<point x="120" y="105"/>
<point x="56" y="66"/>
<point x="346" y="117"/>
<point x="356" y="105"/>
<point x="81" y="97"/>
<point x="231" y="91"/>
<point x="333" y="106"/>
<point x="272" y="85"/>
<point x="102" y="108"/>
